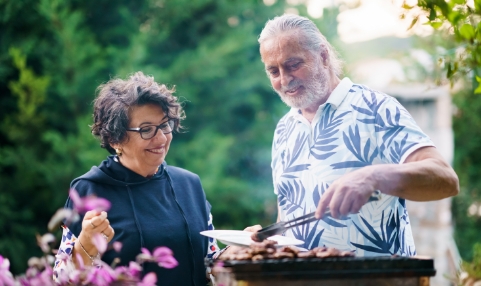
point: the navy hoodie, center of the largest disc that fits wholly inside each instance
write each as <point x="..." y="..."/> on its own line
<point x="168" y="209"/>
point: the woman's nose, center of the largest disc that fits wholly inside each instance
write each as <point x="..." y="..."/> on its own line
<point x="160" y="136"/>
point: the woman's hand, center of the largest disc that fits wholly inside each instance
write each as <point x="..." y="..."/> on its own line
<point x="94" y="223"/>
<point x="254" y="229"/>
<point x="235" y="249"/>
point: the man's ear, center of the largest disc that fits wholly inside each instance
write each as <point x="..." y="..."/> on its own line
<point x="324" y="56"/>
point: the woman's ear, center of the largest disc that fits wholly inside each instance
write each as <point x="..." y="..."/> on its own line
<point x="115" y="146"/>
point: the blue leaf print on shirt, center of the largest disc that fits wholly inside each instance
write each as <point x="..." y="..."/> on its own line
<point x="292" y="158"/>
<point x="373" y="108"/>
<point x="308" y="234"/>
<point x="353" y="144"/>
<point x="398" y="150"/>
<point x="324" y="134"/>
<point x="291" y="196"/>
<point x="391" y="128"/>
<point x="389" y="239"/>
<point x="316" y="197"/>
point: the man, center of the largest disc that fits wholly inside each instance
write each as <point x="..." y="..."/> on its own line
<point x="339" y="143"/>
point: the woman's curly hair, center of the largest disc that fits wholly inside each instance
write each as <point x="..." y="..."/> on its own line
<point x="117" y="97"/>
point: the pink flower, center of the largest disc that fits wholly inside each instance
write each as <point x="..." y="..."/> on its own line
<point x="74" y="276"/>
<point x="162" y="255"/>
<point x="44" y="241"/>
<point x="99" y="241"/>
<point x="101" y="276"/>
<point x="61" y="215"/>
<point x="134" y="268"/>
<point x="117" y="246"/>
<point x="88" y="203"/>
<point x="6" y="277"/>
<point x="150" y="279"/>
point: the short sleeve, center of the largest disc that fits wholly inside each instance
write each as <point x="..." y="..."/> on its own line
<point x="397" y="133"/>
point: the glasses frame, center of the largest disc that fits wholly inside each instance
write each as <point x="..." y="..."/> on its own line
<point x="169" y="122"/>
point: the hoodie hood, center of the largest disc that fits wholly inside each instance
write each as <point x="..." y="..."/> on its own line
<point x="111" y="172"/>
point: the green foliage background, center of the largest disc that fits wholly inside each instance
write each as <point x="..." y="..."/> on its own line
<point x="458" y="31"/>
<point x="54" y="53"/>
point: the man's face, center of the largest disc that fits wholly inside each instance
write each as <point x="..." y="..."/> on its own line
<point x="296" y="74"/>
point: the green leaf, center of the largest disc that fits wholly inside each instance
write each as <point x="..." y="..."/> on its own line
<point x="413" y="22"/>
<point x="432" y="15"/>
<point x="467" y="31"/>
<point x="435" y="25"/>
<point x="478" y="89"/>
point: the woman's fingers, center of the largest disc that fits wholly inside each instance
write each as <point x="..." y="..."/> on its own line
<point x="253" y="228"/>
<point x="98" y="220"/>
<point x="91" y="214"/>
<point x="109" y="233"/>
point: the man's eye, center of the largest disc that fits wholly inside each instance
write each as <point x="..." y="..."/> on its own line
<point x="273" y="72"/>
<point x="164" y="125"/>
<point x="294" y="66"/>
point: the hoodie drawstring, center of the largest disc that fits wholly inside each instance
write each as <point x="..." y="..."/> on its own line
<point x="185" y="221"/>
<point x="135" y="217"/>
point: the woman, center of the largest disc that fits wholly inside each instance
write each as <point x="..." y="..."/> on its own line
<point x="152" y="204"/>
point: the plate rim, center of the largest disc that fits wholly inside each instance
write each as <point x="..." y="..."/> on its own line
<point x="227" y="242"/>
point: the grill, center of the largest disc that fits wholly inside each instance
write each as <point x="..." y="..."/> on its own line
<point x="338" y="271"/>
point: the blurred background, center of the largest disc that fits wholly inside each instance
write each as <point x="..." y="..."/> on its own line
<point x="54" y="53"/>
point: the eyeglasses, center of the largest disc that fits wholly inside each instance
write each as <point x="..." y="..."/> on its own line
<point x="149" y="131"/>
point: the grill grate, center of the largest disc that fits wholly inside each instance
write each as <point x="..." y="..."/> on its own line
<point x="331" y="268"/>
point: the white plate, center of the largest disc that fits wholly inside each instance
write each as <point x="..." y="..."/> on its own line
<point x="243" y="238"/>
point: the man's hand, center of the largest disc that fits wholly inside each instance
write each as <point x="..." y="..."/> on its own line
<point x="347" y="194"/>
<point x="424" y="176"/>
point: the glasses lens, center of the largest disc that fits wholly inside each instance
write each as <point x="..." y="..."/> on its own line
<point x="167" y="126"/>
<point x="147" y="132"/>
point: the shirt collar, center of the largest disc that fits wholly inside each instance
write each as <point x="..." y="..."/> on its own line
<point x="335" y="99"/>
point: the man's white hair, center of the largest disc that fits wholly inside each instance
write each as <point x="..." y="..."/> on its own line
<point x="311" y="37"/>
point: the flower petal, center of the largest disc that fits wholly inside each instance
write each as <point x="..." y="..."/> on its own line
<point x="59" y="216"/>
<point x="162" y="251"/>
<point x="145" y="251"/>
<point x="168" y="262"/>
<point x="76" y="200"/>
<point x="150" y="279"/>
<point x="117" y="246"/>
<point x="94" y="203"/>
<point x="100" y="243"/>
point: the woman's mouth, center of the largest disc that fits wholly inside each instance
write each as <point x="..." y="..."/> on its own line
<point x="157" y="150"/>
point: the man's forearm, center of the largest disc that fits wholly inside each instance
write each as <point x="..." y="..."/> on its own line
<point x="424" y="180"/>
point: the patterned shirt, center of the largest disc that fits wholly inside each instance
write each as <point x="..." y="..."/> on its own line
<point x="356" y="127"/>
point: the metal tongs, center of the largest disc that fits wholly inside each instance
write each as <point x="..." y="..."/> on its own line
<point x="282" y="226"/>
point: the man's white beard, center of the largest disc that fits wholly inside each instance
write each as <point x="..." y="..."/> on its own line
<point x="315" y="89"/>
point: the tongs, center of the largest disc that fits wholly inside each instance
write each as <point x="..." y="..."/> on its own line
<point x="282" y="226"/>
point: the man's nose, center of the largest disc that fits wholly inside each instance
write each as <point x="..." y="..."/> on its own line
<point x="286" y="78"/>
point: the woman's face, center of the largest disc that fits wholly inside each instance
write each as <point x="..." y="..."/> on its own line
<point x="140" y="155"/>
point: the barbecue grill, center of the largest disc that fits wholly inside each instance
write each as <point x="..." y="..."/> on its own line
<point x="338" y="271"/>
